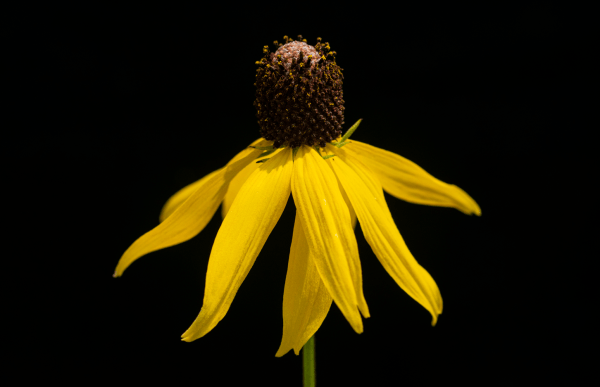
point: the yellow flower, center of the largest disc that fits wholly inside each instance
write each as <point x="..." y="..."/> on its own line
<point x="331" y="186"/>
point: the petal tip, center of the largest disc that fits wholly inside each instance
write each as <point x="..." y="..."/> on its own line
<point x="281" y="352"/>
<point x="365" y="311"/>
<point x="358" y="328"/>
<point x="284" y="348"/>
<point x="472" y="205"/>
<point x="118" y="270"/>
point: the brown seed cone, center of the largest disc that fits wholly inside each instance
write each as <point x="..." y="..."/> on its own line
<point x="299" y="98"/>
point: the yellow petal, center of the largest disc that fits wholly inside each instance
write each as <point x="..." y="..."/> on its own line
<point x="184" y="193"/>
<point x="365" y="193"/>
<point x="250" y="220"/>
<point x="235" y="186"/>
<point x="405" y="180"/>
<point x="240" y="179"/>
<point x="306" y="301"/>
<point x="191" y="216"/>
<point x="327" y="226"/>
<point x="347" y="201"/>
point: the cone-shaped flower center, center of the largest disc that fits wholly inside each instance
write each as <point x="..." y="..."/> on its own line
<point x="299" y="99"/>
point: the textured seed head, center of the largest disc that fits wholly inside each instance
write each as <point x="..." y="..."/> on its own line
<point x="299" y="99"/>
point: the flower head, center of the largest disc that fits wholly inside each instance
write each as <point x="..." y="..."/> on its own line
<point x="300" y="111"/>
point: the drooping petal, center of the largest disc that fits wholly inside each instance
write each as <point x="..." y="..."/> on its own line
<point x="365" y="194"/>
<point x="306" y="301"/>
<point x="405" y="180"/>
<point x="345" y="196"/>
<point x="235" y="186"/>
<point x="245" y="229"/>
<point x="348" y="204"/>
<point x="240" y="179"/>
<point x="181" y="196"/>
<point x="327" y="226"/>
<point x="190" y="217"/>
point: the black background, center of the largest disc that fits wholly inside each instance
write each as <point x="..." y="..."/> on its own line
<point x="137" y="103"/>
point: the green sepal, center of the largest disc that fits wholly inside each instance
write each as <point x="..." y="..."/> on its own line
<point x="348" y="133"/>
<point x="262" y="161"/>
<point x="327" y="157"/>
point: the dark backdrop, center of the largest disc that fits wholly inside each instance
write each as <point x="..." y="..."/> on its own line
<point x="140" y="102"/>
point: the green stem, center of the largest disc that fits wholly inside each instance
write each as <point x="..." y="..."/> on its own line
<point x="308" y="363"/>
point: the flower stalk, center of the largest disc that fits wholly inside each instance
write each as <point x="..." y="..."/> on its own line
<point x="308" y="363"/>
